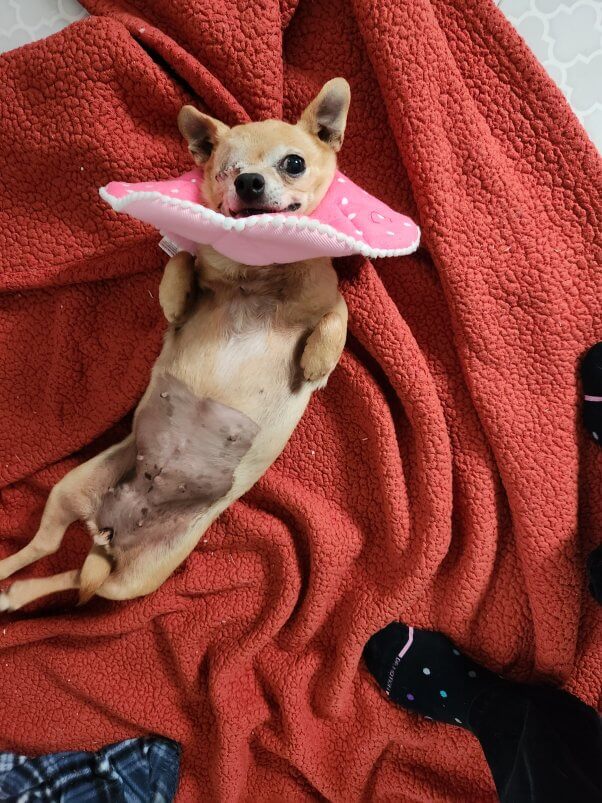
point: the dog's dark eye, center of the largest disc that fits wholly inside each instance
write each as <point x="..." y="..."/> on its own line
<point x="294" y="165"/>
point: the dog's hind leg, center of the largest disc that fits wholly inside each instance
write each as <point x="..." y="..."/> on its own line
<point x="23" y="592"/>
<point x="75" y="497"/>
<point x="56" y="518"/>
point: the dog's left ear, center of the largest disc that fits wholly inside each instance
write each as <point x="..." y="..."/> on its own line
<point x="326" y="115"/>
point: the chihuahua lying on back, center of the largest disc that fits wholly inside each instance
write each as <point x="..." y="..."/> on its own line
<point x="244" y="350"/>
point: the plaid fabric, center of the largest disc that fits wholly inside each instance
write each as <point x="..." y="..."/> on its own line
<point x="134" y="771"/>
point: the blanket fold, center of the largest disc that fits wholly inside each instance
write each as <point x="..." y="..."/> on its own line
<point x="441" y="477"/>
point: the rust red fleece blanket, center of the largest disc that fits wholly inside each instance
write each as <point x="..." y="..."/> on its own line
<point x="442" y="477"/>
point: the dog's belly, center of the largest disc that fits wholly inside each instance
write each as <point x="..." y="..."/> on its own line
<point x="186" y="453"/>
<point x="255" y="375"/>
<point x="256" y="371"/>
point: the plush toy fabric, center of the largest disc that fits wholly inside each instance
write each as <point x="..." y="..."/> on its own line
<point x="348" y="221"/>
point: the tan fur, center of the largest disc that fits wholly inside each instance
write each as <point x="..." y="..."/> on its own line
<point x="260" y="147"/>
<point x="97" y="567"/>
<point x="178" y="287"/>
<point x="260" y="340"/>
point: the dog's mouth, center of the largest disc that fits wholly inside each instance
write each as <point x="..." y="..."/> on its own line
<point x="256" y="210"/>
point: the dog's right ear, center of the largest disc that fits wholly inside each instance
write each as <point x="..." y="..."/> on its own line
<point x="201" y="131"/>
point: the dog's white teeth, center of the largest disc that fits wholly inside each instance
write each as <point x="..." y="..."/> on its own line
<point x="4" y="601"/>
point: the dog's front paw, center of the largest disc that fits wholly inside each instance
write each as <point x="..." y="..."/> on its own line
<point x="177" y="287"/>
<point x="9" y="599"/>
<point x="315" y="365"/>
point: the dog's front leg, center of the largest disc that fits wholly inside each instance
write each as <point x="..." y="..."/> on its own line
<point x="325" y="344"/>
<point x="178" y="287"/>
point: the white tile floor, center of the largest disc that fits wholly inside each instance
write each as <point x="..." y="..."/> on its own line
<point x="565" y="35"/>
<point x="23" y="21"/>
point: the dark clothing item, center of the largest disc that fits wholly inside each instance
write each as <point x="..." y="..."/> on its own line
<point x="542" y="744"/>
<point x="591" y="379"/>
<point x="594" y="573"/>
<point x="135" y="771"/>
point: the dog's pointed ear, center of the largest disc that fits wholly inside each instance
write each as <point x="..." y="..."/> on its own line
<point x="326" y="115"/>
<point x="201" y="131"/>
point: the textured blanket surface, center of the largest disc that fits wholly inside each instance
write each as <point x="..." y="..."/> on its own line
<point x="442" y="477"/>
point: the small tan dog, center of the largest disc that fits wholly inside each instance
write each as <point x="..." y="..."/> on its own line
<point x="245" y="349"/>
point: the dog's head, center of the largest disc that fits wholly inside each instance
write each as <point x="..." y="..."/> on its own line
<point x="269" y="166"/>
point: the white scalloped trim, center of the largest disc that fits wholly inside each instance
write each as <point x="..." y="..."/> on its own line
<point x="272" y="221"/>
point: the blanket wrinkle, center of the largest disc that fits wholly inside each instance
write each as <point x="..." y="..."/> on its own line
<point x="441" y="477"/>
<point x="176" y="35"/>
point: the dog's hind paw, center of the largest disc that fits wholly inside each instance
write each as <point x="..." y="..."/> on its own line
<point x="103" y="537"/>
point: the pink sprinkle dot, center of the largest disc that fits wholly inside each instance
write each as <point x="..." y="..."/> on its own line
<point x="391" y="233"/>
<point x="193" y="180"/>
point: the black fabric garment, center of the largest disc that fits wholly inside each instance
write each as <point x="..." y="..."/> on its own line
<point x="594" y="573"/>
<point x="143" y="770"/>
<point x="591" y="379"/>
<point x="542" y="744"/>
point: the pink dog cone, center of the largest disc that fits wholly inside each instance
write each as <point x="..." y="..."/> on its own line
<point x="348" y="221"/>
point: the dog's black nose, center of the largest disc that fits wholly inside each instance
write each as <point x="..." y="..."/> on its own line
<point x="249" y="186"/>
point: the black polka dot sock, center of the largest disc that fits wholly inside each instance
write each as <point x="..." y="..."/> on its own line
<point x="542" y="744"/>
<point x="425" y="673"/>
<point x="591" y="377"/>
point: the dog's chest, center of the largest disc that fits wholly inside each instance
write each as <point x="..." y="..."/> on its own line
<point x="239" y="350"/>
<point x="237" y="338"/>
